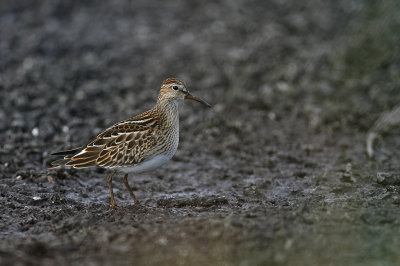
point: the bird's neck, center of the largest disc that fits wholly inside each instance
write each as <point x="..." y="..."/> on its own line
<point x="168" y="109"/>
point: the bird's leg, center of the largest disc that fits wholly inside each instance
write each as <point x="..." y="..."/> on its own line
<point x="109" y="182"/>
<point x="129" y="189"/>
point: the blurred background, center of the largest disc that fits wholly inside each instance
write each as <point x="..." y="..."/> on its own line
<point x="296" y="163"/>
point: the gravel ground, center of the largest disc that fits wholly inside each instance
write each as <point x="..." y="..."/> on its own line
<point x="276" y="173"/>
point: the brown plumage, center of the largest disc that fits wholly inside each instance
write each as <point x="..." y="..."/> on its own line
<point x="139" y="144"/>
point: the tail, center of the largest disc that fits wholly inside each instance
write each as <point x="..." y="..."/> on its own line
<point x="59" y="163"/>
<point x="67" y="157"/>
<point x="78" y="158"/>
<point x="69" y="152"/>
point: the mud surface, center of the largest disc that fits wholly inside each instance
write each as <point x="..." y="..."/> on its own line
<point x="276" y="173"/>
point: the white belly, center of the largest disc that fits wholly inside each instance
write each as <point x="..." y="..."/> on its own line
<point x="145" y="166"/>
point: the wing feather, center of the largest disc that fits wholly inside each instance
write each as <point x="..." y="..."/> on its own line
<point x="121" y="144"/>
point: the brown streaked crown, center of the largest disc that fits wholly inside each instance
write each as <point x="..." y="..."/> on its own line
<point x="170" y="81"/>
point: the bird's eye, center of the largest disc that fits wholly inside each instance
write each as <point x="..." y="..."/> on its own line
<point x="175" y="87"/>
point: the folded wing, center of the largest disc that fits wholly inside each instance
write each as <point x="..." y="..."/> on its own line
<point x="125" y="143"/>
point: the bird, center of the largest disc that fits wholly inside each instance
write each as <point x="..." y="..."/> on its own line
<point x="139" y="144"/>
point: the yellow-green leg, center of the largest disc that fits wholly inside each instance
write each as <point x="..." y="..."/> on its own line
<point x="109" y="182"/>
<point x="129" y="189"/>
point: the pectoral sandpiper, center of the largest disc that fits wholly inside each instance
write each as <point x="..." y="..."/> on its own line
<point x="136" y="145"/>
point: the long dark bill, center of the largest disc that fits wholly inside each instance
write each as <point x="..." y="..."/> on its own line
<point x="191" y="97"/>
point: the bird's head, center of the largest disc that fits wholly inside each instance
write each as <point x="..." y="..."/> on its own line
<point x="174" y="89"/>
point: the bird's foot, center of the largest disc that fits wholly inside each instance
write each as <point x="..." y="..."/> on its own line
<point x="115" y="207"/>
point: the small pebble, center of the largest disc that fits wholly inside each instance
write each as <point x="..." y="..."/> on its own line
<point x="35" y="132"/>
